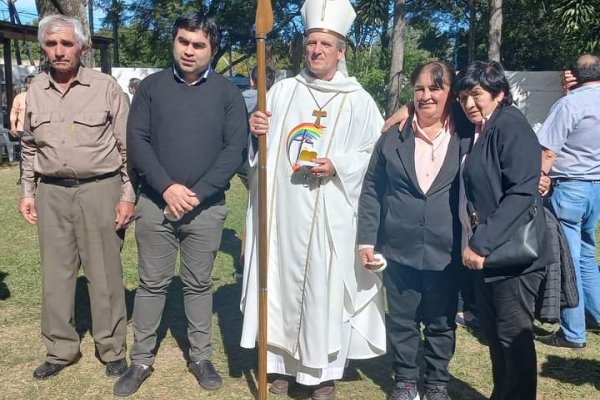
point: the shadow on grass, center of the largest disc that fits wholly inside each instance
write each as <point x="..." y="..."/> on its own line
<point x="574" y="371"/>
<point x="230" y="243"/>
<point x="173" y="319"/>
<point x="241" y="362"/>
<point x="4" y="290"/>
<point x="459" y="389"/>
<point x="225" y="304"/>
<point x="378" y="369"/>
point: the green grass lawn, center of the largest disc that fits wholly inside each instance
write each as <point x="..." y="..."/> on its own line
<point x="564" y="374"/>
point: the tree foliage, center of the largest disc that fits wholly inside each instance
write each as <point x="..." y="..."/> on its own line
<point x="146" y="39"/>
<point x="579" y="21"/>
<point x="536" y="34"/>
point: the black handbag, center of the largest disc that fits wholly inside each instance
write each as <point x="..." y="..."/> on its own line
<point x="523" y="248"/>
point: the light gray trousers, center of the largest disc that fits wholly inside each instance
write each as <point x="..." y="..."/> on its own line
<point x="197" y="237"/>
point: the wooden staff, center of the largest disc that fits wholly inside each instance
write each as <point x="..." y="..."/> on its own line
<point x="264" y="24"/>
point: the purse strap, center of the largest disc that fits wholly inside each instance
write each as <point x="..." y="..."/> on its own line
<point x="474" y="214"/>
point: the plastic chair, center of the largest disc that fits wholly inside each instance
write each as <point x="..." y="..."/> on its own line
<point x="6" y="143"/>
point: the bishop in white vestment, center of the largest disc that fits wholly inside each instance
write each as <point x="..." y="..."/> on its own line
<point x="323" y="306"/>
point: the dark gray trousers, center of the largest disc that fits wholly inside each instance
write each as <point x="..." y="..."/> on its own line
<point x="421" y="297"/>
<point x="506" y="312"/>
<point x="197" y="237"/>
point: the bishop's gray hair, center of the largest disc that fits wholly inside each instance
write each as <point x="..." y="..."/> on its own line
<point x="340" y="44"/>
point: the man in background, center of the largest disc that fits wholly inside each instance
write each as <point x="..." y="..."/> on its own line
<point x="17" y="115"/>
<point x="134" y="83"/>
<point x="570" y="139"/>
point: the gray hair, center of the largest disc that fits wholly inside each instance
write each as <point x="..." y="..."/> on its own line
<point x="586" y="68"/>
<point x="340" y="44"/>
<point x="52" y="23"/>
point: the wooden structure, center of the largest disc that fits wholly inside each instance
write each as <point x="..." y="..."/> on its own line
<point x="9" y="31"/>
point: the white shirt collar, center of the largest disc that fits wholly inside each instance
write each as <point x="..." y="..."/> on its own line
<point x="196" y="82"/>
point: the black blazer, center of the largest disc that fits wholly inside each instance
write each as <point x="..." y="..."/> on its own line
<point x="501" y="176"/>
<point x="409" y="227"/>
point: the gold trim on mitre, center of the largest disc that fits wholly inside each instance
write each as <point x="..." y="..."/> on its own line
<point x="334" y="33"/>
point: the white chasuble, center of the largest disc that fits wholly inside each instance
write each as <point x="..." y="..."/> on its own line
<point x="316" y="285"/>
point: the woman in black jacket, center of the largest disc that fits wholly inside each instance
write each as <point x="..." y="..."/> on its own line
<point x="500" y="176"/>
<point x="408" y="211"/>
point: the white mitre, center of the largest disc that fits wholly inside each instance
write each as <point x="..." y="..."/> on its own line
<point x="333" y="16"/>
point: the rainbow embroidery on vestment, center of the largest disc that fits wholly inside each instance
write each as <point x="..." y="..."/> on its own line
<point x="300" y="141"/>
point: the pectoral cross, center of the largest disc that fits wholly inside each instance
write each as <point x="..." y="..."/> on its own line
<point x="319" y="114"/>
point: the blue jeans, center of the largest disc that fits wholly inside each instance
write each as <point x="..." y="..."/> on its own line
<point x="577" y="207"/>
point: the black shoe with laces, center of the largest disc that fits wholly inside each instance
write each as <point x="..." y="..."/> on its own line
<point x="405" y="391"/>
<point x="438" y="392"/>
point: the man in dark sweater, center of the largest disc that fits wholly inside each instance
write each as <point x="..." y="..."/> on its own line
<point x="188" y="132"/>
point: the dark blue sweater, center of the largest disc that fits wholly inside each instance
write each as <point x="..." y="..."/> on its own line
<point x="192" y="135"/>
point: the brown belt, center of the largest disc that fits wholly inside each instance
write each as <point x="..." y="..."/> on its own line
<point x="75" y="182"/>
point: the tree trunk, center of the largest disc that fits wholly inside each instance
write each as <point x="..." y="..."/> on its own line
<point x="472" y="16"/>
<point x="495" y="34"/>
<point x="397" y="62"/>
<point x="385" y="36"/>
<point x="70" y="8"/>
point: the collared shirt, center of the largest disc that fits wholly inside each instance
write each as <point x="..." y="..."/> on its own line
<point x="572" y="131"/>
<point x="76" y="134"/>
<point x="196" y="82"/>
<point x="430" y="154"/>
<point x="17" y="112"/>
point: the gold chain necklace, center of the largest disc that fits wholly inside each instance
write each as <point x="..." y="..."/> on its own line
<point x="320" y="113"/>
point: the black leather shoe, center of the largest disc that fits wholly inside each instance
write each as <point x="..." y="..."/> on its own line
<point x="46" y="370"/>
<point x="557" y="340"/>
<point x="116" y="368"/>
<point x="132" y="379"/>
<point x="206" y="374"/>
